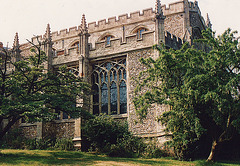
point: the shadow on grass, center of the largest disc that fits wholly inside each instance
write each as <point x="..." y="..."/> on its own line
<point x="65" y="158"/>
<point x="220" y="163"/>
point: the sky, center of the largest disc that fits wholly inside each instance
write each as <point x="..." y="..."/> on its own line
<point x="30" y="17"/>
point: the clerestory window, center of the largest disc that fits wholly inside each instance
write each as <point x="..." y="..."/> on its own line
<point x="109" y="86"/>
<point x="107" y="39"/>
<point x="140" y="32"/>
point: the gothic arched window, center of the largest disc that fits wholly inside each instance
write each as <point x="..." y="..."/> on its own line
<point x="109" y="86"/>
<point x="107" y="39"/>
<point x="76" y="44"/>
<point x="140" y="32"/>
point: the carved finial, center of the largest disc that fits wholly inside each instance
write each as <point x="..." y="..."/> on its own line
<point x="48" y="32"/>
<point x="16" y="41"/>
<point x="196" y="2"/>
<point x="159" y="12"/>
<point x="158" y="7"/>
<point x="208" y="22"/>
<point x="84" y="23"/>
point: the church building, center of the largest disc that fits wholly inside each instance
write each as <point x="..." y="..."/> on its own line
<point x="106" y="53"/>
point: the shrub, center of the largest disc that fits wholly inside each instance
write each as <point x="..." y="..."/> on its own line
<point x="152" y="150"/>
<point x="64" y="144"/>
<point x="13" y="140"/>
<point x="128" y="146"/>
<point x="105" y="135"/>
<point x="40" y="144"/>
<point x="103" y="131"/>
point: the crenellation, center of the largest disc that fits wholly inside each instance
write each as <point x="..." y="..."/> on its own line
<point x="54" y="34"/>
<point x="173" y="8"/>
<point x="193" y="6"/>
<point x="63" y="32"/>
<point x="73" y="29"/>
<point x="36" y="39"/>
<point x="123" y="17"/>
<point x="92" y="25"/>
<point x="112" y="20"/>
<point x="173" y="41"/>
<point x="135" y="15"/>
<point x="102" y="22"/>
<point x="148" y="12"/>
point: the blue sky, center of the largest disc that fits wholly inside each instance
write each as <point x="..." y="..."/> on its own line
<point x="30" y="17"/>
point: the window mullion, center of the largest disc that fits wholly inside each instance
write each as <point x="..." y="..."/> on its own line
<point x="109" y="93"/>
<point x="118" y="93"/>
<point x="100" y="92"/>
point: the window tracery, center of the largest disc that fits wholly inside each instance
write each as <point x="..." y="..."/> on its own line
<point x="109" y="86"/>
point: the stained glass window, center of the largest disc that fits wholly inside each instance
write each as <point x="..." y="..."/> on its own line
<point x="123" y="98"/>
<point x="104" y="98"/>
<point x="109" y="86"/>
<point x="114" y="98"/>
<point x="95" y="99"/>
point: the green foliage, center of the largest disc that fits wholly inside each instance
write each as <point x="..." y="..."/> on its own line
<point x="152" y="150"/>
<point x="106" y="135"/>
<point x="40" y="144"/>
<point x="31" y="91"/>
<point x="15" y="140"/>
<point x="127" y="146"/>
<point x="64" y="144"/>
<point x="201" y="88"/>
<point x="103" y="130"/>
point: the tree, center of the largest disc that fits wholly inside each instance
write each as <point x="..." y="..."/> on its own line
<point x="29" y="91"/>
<point x="202" y="89"/>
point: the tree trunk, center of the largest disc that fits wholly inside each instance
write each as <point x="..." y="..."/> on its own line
<point x="214" y="151"/>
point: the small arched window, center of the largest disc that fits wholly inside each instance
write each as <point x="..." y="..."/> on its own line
<point x="140" y="32"/>
<point x="76" y="44"/>
<point x="107" y="39"/>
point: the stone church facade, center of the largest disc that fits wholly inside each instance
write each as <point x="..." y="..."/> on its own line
<point x="106" y="53"/>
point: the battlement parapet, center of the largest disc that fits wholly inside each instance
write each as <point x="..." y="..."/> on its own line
<point x="64" y="32"/>
<point x="172" y="8"/>
<point x="122" y="19"/>
<point x="73" y="31"/>
<point x="193" y="6"/>
<point x="172" y="41"/>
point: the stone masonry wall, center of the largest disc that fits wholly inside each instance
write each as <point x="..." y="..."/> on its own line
<point x="174" y="24"/>
<point x="59" y="129"/>
<point x="29" y="132"/>
<point x="149" y="127"/>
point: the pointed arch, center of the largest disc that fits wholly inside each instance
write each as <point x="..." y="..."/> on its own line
<point x="112" y="84"/>
<point x="103" y="36"/>
<point x="138" y="28"/>
<point x="139" y="31"/>
<point x="74" y="43"/>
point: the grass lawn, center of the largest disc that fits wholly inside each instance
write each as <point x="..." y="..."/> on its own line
<point x="47" y="157"/>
